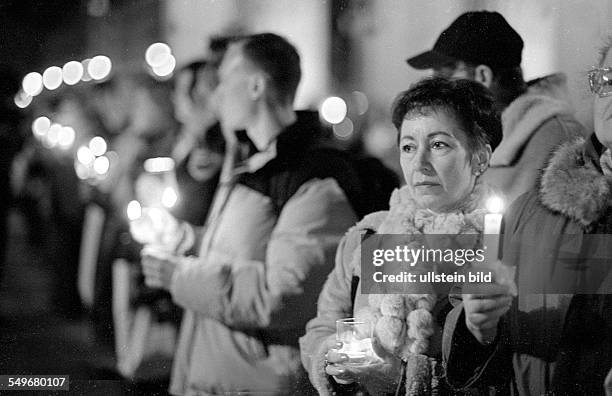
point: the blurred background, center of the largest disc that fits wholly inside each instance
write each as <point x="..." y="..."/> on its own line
<point x="95" y="85"/>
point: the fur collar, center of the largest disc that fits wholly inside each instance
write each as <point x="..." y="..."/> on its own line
<point x="520" y="120"/>
<point x="574" y="185"/>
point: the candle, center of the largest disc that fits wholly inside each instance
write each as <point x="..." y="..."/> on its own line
<point x="492" y="229"/>
<point x="356" y="338"/>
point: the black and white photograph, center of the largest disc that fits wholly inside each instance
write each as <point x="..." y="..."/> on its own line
<point x="306" y="197"/>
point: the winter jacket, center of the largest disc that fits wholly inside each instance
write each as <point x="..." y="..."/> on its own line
<point x="551" y="343"/>
<point x="267" y="247"/>
<point x="534" y="125"/>
<point x="342" y="297"/>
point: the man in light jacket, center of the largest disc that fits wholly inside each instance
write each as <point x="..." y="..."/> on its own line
<point x="269" y="240"/>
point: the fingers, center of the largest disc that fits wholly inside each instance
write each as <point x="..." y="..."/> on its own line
<point x="152" y="270"/>
<point x="340" y="373"/>
<point x="485" y="289"/>
<point x="486" y="321"/>
<point x="333" y="357"/>
<point x="487" y="304"/>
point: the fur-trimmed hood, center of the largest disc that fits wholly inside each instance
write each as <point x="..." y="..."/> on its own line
<point x="574" y="184"/>
<point x="521" y="120"/>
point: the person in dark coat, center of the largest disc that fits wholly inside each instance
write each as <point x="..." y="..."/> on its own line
<point x="555" y="337"/>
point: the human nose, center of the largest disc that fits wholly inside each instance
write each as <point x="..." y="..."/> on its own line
<point x="423" y="161"/>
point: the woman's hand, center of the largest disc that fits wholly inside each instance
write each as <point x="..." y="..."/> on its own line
<point x="380" y="377"/>
<point x="158" y="268"/>
<point x="484" y="305"/>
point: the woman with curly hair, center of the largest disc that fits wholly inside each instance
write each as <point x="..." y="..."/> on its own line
<point x="444" y="129"/>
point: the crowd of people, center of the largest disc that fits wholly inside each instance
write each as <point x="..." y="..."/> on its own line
<point x="261" y="256"/>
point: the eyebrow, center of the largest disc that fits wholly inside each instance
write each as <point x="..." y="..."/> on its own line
<point x="429" y="136"/>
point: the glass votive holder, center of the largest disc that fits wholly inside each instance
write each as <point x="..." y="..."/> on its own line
<point x="356" y="338"/>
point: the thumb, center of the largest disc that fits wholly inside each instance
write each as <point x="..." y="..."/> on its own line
<point x="379" y="349"/>
<point x="504" y="275"/>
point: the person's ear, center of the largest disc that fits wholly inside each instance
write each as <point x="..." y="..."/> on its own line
<point x="257" y="86"/>
<point x="480" y="160"/>
<point x="484" y="75"/>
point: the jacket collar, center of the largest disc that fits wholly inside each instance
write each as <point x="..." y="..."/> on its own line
<point x="573" y="183"/>
<point x="301" y="134"/>
<point x="521" y="120"/>
<point x="292" y="141"/>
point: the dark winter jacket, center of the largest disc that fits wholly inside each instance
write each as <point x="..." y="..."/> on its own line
<point x="549" y="343"/>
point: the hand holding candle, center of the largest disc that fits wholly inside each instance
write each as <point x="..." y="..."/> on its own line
<point x="153" y="226"/>
<point x="503" y="274"/>
<point x="356" y="338"/>
<point x="485" y="303"/>
<point x="361" y="358"/>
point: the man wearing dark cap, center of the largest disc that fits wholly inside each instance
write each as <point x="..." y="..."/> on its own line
<point x="483" y="47"/>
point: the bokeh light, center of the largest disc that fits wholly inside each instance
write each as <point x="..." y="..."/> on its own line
<point x="52" y="78"/>
<point x="66" y="137"/>
<point x="134" y="210"/>
<point x="85" y="156"/>
<point x="32" y="84"/>
<point x="40" y="126"/>
<point x="169" y="197"/>
<point x="98" y="146"/>
<point x="72" y="72"/>
<point x="81" y="170"/>
<point x="158" y="54"/>
<point x="166" y="68"/>
<point x="52" y="137"/>
<point x="22" y="100"/>
<point x="101" y="165"/>
<point x="99" y="67"/>
<point x="344" y="130"/>
<point x="158" y="164"/>
<point x="333" y="110"/>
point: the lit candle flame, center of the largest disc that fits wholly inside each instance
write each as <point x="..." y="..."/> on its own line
<point x="495" y="204"/>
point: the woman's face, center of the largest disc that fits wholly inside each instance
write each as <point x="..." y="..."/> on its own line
<point x="602" y="109"/>
<point x="437" y="165"/>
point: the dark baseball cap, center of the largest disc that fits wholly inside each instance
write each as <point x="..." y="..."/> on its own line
<point x="479" y="37"/>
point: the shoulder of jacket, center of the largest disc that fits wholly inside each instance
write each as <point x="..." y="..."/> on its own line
<point x="370" y="223"/>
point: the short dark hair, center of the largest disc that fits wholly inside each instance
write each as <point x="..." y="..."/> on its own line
<point x="217" y="46"/>
<point x="469" y="102"/>
<point x="278" y="58"/>
<point x="194" y="68"/>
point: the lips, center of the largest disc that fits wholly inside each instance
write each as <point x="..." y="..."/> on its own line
<point x="426" y="183"/>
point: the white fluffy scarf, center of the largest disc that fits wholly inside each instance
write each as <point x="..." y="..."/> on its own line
<point x="403" y="322"/>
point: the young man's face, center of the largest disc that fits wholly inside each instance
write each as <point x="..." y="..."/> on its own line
<point x="233" y="102"/>
<point x="454" y="70"/>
